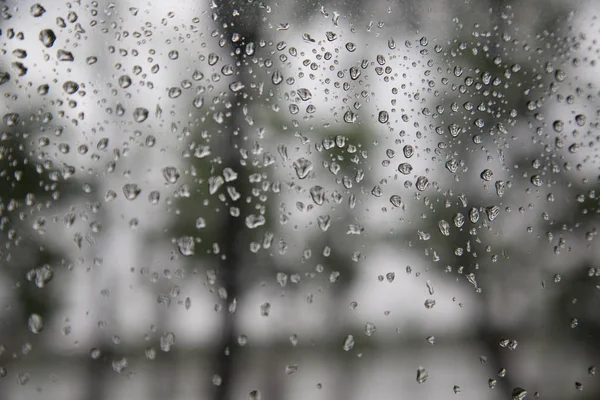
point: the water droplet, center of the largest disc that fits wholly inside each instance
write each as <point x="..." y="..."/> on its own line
<point x="355" y="229"/>
<point x="47" y="37"/>
<point x="70" y="87"/>
<point x="351" y="47"/>
<point x="64" y="55"/>
<point x="131" y="191"/>
<point x="37" y="10"/>
<point x="277" y="77"/>
<point x="383" y="117"/>
<point x="370" y="328"/>
<point x="519" y="393"/>
<point x="429" y="304"/>
<point x="186" y="245"/>
<point x="354" y="73"/>
<point x="140" y="114"/>
<point x="492" y="212"/>
<point x="377" y="191"/>
<point x="487" y="175"/>
<point x="254" y="221"/>
<point x="422" y="375"/>
<point x="167" y="341"/>
<point x="396" y="201"/>
<point x="580" y="119"/>
<point x="454" y="130"/>
<point x="120" y="365"/>
<point x="317" y="193"/>
<point x="254" y="395"/>
<point x="558" y="126"/>
<point x="422" y="183"/>
<point x="171" y="174"/>
<point x="35" y="323"/>
<point x="348" y="343"/>
<point x="324" y="222"/>
<point x="537" y="180"/>
<point x="350" y="117"/>
<point x="452" y="166"/>
<point x="304" y="94"/>
<point x="95" y="353"/>
<point x="303" y="167"/>
<point x="405" y="168"/>
<point x="125" y="81"/>
<point x="444" y="227"/>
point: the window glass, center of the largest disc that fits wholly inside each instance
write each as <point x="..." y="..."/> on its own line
<point x="243" y="199"/>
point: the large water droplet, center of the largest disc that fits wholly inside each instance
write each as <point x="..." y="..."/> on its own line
<point x="383" y="117"/>
<point x="131" y="191"/>
<point x="348" y="343"/>
<point x="304" y="94"/>
<point x="303" y="167"/>
<point x="167" y="341"/>
<point x="171" y="174"/>
<point x="422" y="375"/>
<point x="186" y="245"/>
<point x="35" y="323"/>
<point x="140" y="114"/>
<point x="47" y="37"/>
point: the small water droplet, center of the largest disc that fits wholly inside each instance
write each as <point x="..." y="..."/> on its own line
<point x="422" y="375"/>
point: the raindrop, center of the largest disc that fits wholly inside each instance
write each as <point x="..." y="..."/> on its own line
<point x="167" y="341"/>
<point x="64" y="55"/>
<point x="383" y="117"/>
<point x="396" y="200"/>
<point x="304" y="94"/>
<point x="519" y="393"/>
<point x="303" y="167"/>
<point x="37" y="10"/>
<point x="444" y="227"/>
<point x="276" y="78"/>
<point x="422" y="375"/>
<point x="70" y="87"/>
<point x="537" y="180"/>
<point x="291" y="368"/>
<point x="370" y="328"/>
<point x="131" y="191"/>
<point x="317" y="193"/>
<point x="429" y="304"/>
<point x="35" y="323"/>
<point x="348" y="343"/>
<point x="47" y="37"/>
<point x="140" y="114"/>
<point x="125" y="81"/>
<point x="405" y="168"/>
<point x="454" y="130"/>
<point x="171" y="174"/>
<point x="487" y="175"/>
<point x="119" y="366"/>
<point x="186" y="245"/>
<point x="254" y="221"/>
<point x="408" y="151"/>
<point x="422" y="183"/>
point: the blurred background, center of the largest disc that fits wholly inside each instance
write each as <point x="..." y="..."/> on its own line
<point x="288" y="200"/>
